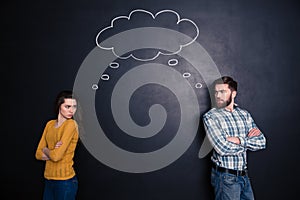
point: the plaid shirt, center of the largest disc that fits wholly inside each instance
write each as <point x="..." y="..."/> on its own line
<point x="221" y="123"/>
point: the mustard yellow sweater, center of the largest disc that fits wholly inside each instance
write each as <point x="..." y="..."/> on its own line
<point x="60" y="165"/>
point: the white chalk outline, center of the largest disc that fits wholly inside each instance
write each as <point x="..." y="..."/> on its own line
<point x="114" y="65"/>
<point x="153" y="16"/>
<point x="105" y="77"/>
<point x="186" y="75"/>
<point x="170" y="62"/>
<point x="95" y="87"/>
<point x="198" y="85"/>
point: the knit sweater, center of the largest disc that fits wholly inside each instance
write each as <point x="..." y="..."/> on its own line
<point x="60" y="164"/>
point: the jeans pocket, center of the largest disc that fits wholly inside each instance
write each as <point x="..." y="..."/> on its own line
<point x="229" y="179"/>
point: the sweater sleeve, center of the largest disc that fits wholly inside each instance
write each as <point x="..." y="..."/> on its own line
<point x="42" y="144"/>
<point x="69" y="130"/>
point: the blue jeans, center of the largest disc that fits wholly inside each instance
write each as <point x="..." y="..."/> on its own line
<point x="231" y="187"/>
<point x="61" y="189"/>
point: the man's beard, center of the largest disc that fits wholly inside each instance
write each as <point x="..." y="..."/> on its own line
<point x="225" y="103"/>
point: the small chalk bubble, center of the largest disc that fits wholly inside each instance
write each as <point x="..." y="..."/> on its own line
<point x="105" y="77"/>
<point x="95" y="87"/>
<point x="198" y="85"/>
<point x="186" y="75"/>
<point x="114" y="65"/>
<point x="172" y="62"/>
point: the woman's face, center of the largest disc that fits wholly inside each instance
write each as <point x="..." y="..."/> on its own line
<point x="68" y="108"/>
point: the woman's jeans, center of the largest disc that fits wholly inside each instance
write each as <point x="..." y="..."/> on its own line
<point x="231" y="187"/>
<point x="61" y="189"/>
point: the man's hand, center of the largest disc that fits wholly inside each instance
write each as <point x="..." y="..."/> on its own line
<point x="235" y="140"/>
<point x="254" y="132"/>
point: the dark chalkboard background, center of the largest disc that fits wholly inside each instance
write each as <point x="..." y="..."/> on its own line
<point x="43" y="44"/>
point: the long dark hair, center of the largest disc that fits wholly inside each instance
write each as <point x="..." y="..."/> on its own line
<point x="60" y="99"/>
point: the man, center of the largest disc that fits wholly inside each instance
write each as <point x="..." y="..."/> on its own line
<point x="231" y="131"/>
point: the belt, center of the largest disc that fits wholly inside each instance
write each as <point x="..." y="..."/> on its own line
<point x="231" y="171"/>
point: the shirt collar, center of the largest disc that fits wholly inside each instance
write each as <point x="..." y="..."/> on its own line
<point x="224" y="109"/>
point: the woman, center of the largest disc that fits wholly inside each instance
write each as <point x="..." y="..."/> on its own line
<point x="57" y="148"/>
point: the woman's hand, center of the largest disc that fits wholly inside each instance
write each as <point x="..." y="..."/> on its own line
<point x="58" y="144"/>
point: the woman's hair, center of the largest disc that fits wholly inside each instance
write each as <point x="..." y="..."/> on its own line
<point x="60" y="99"/>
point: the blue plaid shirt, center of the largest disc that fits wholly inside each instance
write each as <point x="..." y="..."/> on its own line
<point x="221" y="123"/>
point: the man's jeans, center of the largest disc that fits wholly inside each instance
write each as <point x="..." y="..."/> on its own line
<point x="231" y="187"/>
<point x="61" y="189"/>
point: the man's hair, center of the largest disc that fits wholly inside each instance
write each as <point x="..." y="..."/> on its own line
<point x="232" y="84"/>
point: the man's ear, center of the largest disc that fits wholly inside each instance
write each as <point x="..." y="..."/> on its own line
<point x="234" y="93"/>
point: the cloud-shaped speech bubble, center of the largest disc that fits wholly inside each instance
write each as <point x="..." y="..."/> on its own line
<point x="163" y="19"/>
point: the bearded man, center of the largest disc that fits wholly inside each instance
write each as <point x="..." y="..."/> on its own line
<point x="231" y="131"/>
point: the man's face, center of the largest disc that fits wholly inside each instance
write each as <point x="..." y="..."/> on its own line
<point x="223" y="95"/>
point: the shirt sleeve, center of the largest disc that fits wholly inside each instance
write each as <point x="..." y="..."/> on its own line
<point x="69" y="130"/>
<point x="257" y="142"/>
<point x="217" y="137"/>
